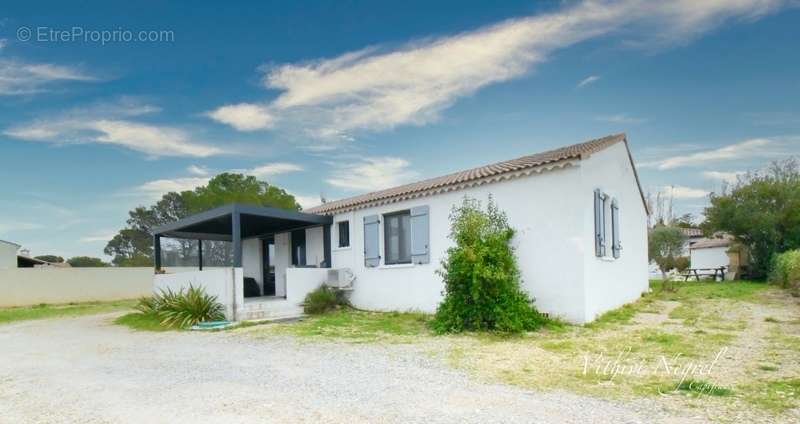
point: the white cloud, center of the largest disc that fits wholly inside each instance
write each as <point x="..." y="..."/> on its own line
<point x="243" y="116"/>
<point x="591" y="79"/>
<point x="14" y="226"/>
<point x="374" y="88"/>
<point x="19" y="77"/>
<point x="157" y="188"/>
<point x="728" y="177"/>
<point x="98" y="237"/>
<point x="748" y="148"/>
<point x="681" y="192"/>
<point x="109" y="123"/>
<point x="197" y="170"/>
<point x="306" y="201"/>
<point x="372" y="174"/>
<point x="620" y="118"/>
<point x="269" y="169"/>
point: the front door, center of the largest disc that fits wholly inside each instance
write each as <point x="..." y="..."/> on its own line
<point x="268" y="252"/>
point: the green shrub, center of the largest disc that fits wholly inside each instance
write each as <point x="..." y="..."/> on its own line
<point x="182" y="309"/>
<point x="323" y="299"/>
<point x="682" y="263"/>
<point x="785" y="270"/>
<point x="482" y="280"/>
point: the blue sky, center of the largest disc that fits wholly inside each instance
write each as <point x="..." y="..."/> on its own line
<point x="341" y="98"/>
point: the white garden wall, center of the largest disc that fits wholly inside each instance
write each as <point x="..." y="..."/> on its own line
<point x="30" y="286"/>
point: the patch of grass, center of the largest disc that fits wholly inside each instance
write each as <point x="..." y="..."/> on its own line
<point x="734" y="290"/>
<point x="359" y="326"/>
<point x="776" y="395"/>
<point x="768" y="367"/>
<point x="701" y="387"/>
<point x="141" y="322"/>
<point x="622" y="315"/>
<point x="771" y="319"/>
<point x="42" y="311"/>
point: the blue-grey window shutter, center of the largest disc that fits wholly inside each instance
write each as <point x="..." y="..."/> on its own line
<point x="616" y="245"/>
<point x="372" y="254"/>
<point x="599" y="222"/>
<point x="420" y="235"/>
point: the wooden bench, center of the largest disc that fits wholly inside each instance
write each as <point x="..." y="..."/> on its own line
<point x="698" y="272"/>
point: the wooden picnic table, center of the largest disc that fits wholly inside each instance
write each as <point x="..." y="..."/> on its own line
<point x="697" y="272"/>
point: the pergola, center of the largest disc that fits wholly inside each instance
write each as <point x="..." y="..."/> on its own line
<point x="234" y="222"/>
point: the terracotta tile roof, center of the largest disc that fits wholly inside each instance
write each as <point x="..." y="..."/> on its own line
<point x="692" y="232"/>
<point x="575" y="151"/>
<point x="712" y="242"/>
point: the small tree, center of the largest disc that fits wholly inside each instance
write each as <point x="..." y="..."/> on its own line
<point x="86" y="262"/>
<point x="482" y="281"/>
<point x="665" y="245"/>
<point x="53" y="259"/>
<point x="762" y="210"/>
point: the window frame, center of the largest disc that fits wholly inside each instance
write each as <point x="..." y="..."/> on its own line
<point x="386" y="217"/>
<point x="607" y="229"/>
<point x="339" y="244"/>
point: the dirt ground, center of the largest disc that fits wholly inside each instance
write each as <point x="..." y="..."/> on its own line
<point x="87" y="370"/>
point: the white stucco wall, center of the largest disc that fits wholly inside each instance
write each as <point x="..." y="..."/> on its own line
<point x="282" y="261"/>
<point x="712" y="257"/>
<point x="8" y="255"/>
<point x="548" y="244"/>
<point x="227" y="284"/>
<point x="610" y="282"/>
<point x="315" y="252"/>
<point x="252" y="262"/>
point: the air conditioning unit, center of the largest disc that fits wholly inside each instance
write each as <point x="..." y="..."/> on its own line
<point x="340" y="278"/>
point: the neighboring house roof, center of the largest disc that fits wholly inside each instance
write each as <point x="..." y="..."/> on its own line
<point x="711" y="242"/>
<point x="692" y="232"/>
<point x="495" y="172"/>
<point x="22" y="259"/>
<point x="8" y="242"/>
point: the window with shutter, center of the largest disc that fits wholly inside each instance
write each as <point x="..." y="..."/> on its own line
<point x="372" y="256"/>
<point x="616" y="245"/>
<point x="396" y="238"/>
<point x="420" y="235"/>
<point x="599" y="224"/>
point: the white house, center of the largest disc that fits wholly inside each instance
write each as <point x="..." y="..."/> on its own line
<point x="710" y="252"/>
<point x="581" y="238"/>
<point x="8" y="254"/>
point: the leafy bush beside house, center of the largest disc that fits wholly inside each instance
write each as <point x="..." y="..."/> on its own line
<point x="482" y="280"/>
<point x="323" y="299"/>
<point x="785" y="271"/>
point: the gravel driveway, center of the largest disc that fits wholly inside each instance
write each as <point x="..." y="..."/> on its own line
<point x="88" y="370"/>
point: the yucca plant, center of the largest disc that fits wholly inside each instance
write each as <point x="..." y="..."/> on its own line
<point x="188" y="307"/>
<point x="148" y="305"/>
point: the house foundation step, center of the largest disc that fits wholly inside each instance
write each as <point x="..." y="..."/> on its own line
<point x="272" y="309"/>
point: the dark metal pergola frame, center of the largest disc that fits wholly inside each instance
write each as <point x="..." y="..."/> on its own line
<point x="235" y="222"/>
